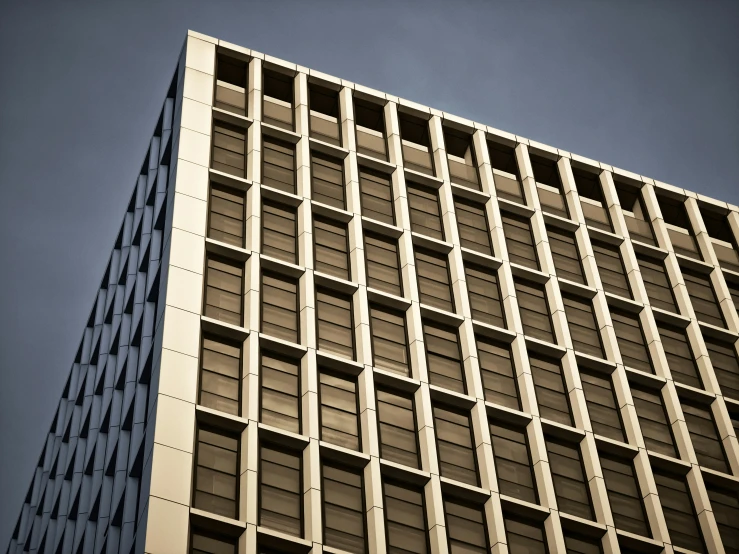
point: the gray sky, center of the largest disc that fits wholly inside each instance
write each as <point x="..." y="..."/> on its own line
<point x="648" y="86"/>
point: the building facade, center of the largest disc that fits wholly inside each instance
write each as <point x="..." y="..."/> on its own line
<point x="336" y="321"/>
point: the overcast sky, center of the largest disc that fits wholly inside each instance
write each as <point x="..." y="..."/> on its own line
<point x="648" y="86"/>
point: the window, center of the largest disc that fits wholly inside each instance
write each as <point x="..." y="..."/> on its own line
<point x="583" y="326"/>
<point x="397" y="428"/>
<point x="231" y="84"/>
<point x="279" y="230"/>
<point x="655" y="427"/>
<point x="466" y="529"/>
<point x="377" y="196"/>
<point x="229" y="147"/>
<point x="223" y="290"/>
<point x="226" y="215"/>
<point x="568" y="475"/>
<point x="220" y="375"/>
<point x="734" y="292"/>
<point x="524" y="536"/>
<point x="383" y="271"/>
<point x="551" y="393"/>
<point x="656" y="283"/>
<point x="343" y="509"/>
<point x="678" y="226"/>
<point x="532" y="304"/>
<point x="277" y="100"/>
<point x="389" y="340"/>
<point x="593" y="204"/>
<point x="630" y="341"/>
<point x="565" y="255"/>
<point x="513" y="462"/>
<point x="405" y="518"/>
<point x="725" y="366"/>
<point x="278" y="164"/>
<point x="434" y="287"/>
<point x="280" y="392"/>
<point x="324" y="114"/>
<point x="519" y="240"/>
<point x="280" y="490"/>
<point x="704" y="436"/>
<point x="624" y="495"/>
<point x="725" y="507"/>
<point x="722" y="237"/>
<point x="549" y="185"/>
<point x="473" y="226"/>
<point x="635" y="214"/>
<point x="505" y="171"/>
<point x="216" y="472"/>
<point x="677" y="506"/>
<point x="461" y="158"/>
<point x="335" y="328"/>
<point x="327" y="180"/>
<point x="339" y="412"/>
<point x="605" y="417"/>
<point x="498" y="377"/>
<point x="423" y="204"/>
<point x="416" y="144"/>
<point x="331" y="250"/>
<point x="703" y="298"/>
<point x="734" y="417"/>
<point x="484" y="295"/>
<point x="370" y="124"/>
<point x="455" y="445"/>
<point x="679" y="355"/>
<point x="443" y="357"/>
<point x="280" y="307"/>
<point x="206" y="544"/>
<point x="611" y="269"/>
<point x="579" y="544"/>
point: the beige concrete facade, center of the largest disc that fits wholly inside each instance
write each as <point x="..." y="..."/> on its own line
<point x="118" y="468"/>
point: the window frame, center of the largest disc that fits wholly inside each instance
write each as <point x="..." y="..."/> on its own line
<point x="657" y="394"/>
<point x="347" y="469"/>
<point x="196" y="455"/>
<point x="522" y="429"/>
<point x="344" y="377"/>
<point x="413" y="186"/>
<point x="230" y="262"/>
<point x="463" y="413"/>
<point x="343" y="296"/>
<point x="406" y="343"/>
<point x="449" y="284"/>
<point x="299" y="456"/>
<point x="279" y="142"/>
<point x="406" y="486"/>
<point x="379" y="237"/>
<point x="285" y="208"/>
<point x="328" y="158"/>
<point x="379" y="174"/>
<point x="209" y="222"/>
<point x="215" y="338"/>
<point x="337" y="224"/>
<point x="299" y="398"/>
<point x="411" y="398"/>
<point x="447" y="329"/>
<point x="285" y="278"/>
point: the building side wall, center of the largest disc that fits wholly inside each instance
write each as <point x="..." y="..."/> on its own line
<point x="89" y="490"/>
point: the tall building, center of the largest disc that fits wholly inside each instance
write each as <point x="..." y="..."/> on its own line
<point x="337" y="321"/>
